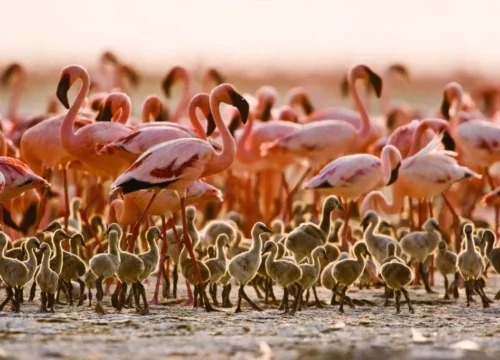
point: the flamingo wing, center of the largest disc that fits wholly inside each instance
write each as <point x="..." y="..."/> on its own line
<point x="165" y="164"/>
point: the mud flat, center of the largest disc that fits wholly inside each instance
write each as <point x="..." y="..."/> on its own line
<point x="438" y="330"/>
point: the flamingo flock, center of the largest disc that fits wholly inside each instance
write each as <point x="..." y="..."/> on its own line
<point x="230" y="189"/>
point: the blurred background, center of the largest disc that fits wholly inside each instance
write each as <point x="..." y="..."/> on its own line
<point x="281" y="43"/>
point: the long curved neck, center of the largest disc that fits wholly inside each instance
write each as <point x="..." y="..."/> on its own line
<point x="74" y="248"/>
<point x="68" y="139"/>
<point x="184" y="101"/>
<point x="243" y="146"/>
<point x="317" y="264"/>
<point x="360" y="106"/>
<point x="16" y="95"/>
<point x="153" y="248"/>
<point x="385" y="97"/>
<point x="58" y="250"/>
<point x="455" y="119"/>
<point x="195" y="122"/>
<point x="271" y="258"/>
<point x="114" y="248"/>
<point x="325" y="220"/>
<point x="31" y="258"/>
<point x="225" y="158"/>
<point x="124" y="113"/>
<point x="386" y="207"/>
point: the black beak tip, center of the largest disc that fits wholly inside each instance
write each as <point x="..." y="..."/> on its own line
<point x="344" y="86"/>
<point x="376" y="82"/>
<point x="242" y="105"/>
<point x="394" y="175"/>
<point x="210" y="124"/>
<point x="62" y="90"/>
<point x="105" y="114"/>
<point x="448" y="142"/>
<point x="445" y="107"/>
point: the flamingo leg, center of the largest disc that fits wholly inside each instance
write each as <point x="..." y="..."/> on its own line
<point x="456" y="221"/>
<point x="135" y="230"/>
<point x="190" y="249"/>
<point x="43" y="201"/>
<point x="66" y="198"/>
<point x="288" y="199"/>
<point x="163" y="251"/>
<point x="497" y="208"/>
<point x="297" y="185"/>
<point x="431" y="212"/>
<point x="410" y="214"/>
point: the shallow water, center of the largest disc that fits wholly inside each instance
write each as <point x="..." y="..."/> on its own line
<point x="438" y="330"/>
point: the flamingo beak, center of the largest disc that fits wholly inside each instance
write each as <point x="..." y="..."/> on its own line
<point x="394" y="175"/>
<point x="375" y="81"/>
<point x="105" y="114"/>
<point x="162" y="115"/>
<point x="448" y="142"/>
<point x="216" y="76"/>
<point x="344" y="86"/>
<point x="168" y="82"/>
<point x="401" y="70"/>
<point x="62" y="90"/>
<point x="210" y="124"/>
<point x="445" y="107"/>
<point x="233" y="125"/>
<point x="241" y="104"/>
<point x="266" y="114"/>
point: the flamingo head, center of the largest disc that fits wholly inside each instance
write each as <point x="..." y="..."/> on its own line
<point x="298" y="96"/>
<point x="68" y="77"/>
<point x="114" y="102"/>
<point x="451" y="92"/>
<point x="365" y="73"/>
<point x="215" y="76"/>
<point x="227" y="93"/>
<point x="153" y="106"/>
<point x="468" y="228"/>
<point x="175" y="74"/>
<point x="266" y="96"/>
<point x="399" y="69"/>
<point x="11" y="70"/>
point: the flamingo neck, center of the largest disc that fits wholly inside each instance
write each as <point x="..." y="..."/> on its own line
<point x="324" y="224"/>
<point x="45" y="259"/>
<point x="221" y="255"/>
<point x="455" y="119"/>
<point x="389" y="208"/>
<point x="74" y="247"/>
<point x="116" y="211"/>
<point x="244" y="143"/>
<point x="385" y="97"/>
<point x="153" y="248"/>
<point x="16" y="95"/>
<point x="271" y="258"/>
<point x="469" y="245"/>
<point x="225" y="158"/>
<point x="68" y="139"/>
<point x="195" y="122"/>
<point x="360" y="106"/>
<point x="124" y="113"/>
<point x="184" y="101"/>
<point x="114" y="249"/>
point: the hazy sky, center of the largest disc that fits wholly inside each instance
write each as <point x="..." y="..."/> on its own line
<point x="156" y="33"/>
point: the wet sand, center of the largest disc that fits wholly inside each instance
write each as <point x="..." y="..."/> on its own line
<point x="438" y="330"/>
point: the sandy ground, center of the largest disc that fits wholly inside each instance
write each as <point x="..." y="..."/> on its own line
<point x="438" y="330"/>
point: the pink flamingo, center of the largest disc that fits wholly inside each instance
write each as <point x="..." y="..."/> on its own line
<point x="131" y="146"/>
<point x="116" y="107"/>
<point x="352" y="176"/>
<point x="313" y="144"/>
<point x="83" y="143"/>
<point x="212" y="77"/>
<point x="175" y="164"/>
<point x="174" y="75"/>
<point x="429" y="172"/>
<point x="478" y="141"/>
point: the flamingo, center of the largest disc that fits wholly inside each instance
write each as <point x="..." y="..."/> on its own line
<point x="83" y="143"/>
<point x="212" y="76"/>
<point x="478" y="140"/>
<point x="352" y="176"/>
<point x="174" y="75"/>
<point x="313" y="145"/>
<point x="131" y="146"/>
<point x="175" y="164"/>
<point x="16" y="179"/>
<point x="429" y="172"/>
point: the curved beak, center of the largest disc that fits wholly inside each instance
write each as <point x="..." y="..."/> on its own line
<point x="375" y="81"/>
<point x="394" y="175"/>
<point x="266" y="113"/>
<point x="62" y="90"/>
<point x="210" y="124"/>
<point x="105" y="113"/>
<point x="445" y="107"/>
<point x="447" y="141"/>
<point x="168" y="82"/>
<point x="241" y="104"/>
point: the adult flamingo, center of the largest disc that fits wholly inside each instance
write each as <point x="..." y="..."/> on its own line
<point x="353" y="176"/>
<point x="211" y="79"/>
<point x="313" y="143"/>
<point x="131" y="146"/>
<point x="83" y="143"/>
<point x="429" y="172"/>
<point x="175" y="164"/>
<point x="173" y="76"/>
<point x="478" y="140"/>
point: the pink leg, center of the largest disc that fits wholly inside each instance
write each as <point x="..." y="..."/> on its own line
<point x="411" y="220"/>
<point x="66" y="199"/>
<point x="163" y="251"/>
<point x="497" y="209"/>
<point x="345" y="230"/>
<point x="135" y="230"/>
